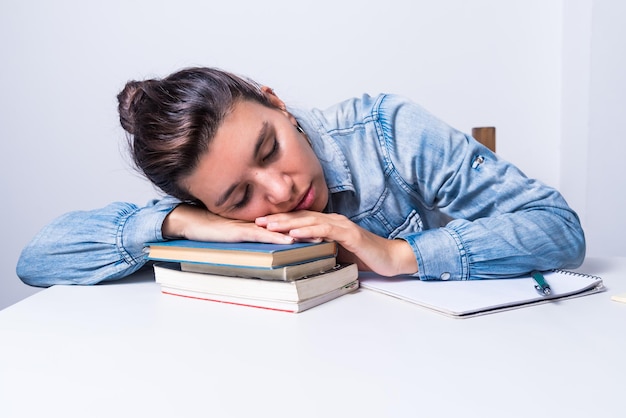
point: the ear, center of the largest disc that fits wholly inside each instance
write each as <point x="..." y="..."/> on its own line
<point x="277" y="102"/>
<point x="273" y="98"/>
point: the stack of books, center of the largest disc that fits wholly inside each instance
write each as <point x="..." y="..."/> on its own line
<point x="290" y="278"/>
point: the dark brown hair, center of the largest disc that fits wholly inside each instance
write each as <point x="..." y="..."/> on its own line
<point x="171" y="121"/>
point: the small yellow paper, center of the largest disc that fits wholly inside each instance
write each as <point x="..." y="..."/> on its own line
<point x="619" y="298"/>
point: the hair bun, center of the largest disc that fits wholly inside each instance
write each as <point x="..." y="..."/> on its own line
<point x="128" y="101"/>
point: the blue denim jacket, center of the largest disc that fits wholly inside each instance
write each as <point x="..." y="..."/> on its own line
<point x="392" y="168"/>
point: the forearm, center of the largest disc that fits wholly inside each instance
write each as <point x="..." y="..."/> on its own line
<point x="88" y="247"/>
<point x="501" y="246"/>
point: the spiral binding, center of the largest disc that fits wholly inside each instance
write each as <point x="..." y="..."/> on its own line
<point x="575" y="273"/>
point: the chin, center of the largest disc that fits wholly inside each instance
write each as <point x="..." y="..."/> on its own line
<point x="321" y="205"/>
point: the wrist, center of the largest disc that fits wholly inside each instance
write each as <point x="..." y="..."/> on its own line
<point x="174" y="224"/>
<point x="405" y="260"/>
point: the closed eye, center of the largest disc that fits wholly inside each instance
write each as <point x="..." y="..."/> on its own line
<point x="245" y="198"/>
<point x="272" y="153"/>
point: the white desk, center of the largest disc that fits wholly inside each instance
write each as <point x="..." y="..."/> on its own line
<point x="126" y="350"/>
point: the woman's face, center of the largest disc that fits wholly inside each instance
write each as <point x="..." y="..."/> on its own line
<point x="257" y="164"/>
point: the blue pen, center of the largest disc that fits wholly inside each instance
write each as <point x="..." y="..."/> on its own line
<point x="541" y="285"/>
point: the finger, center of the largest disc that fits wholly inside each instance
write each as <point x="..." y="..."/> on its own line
<point x="321" y="231"/>
<point x="270" y="237"/>
<point x="315" y="240"/>
<point x="286" y="217"/>
<point x="286" y="223"/>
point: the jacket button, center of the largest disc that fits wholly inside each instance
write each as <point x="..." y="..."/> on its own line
<point x="444" y="276"/>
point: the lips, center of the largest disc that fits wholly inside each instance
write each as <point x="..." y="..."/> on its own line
<point x="307" y="200"/>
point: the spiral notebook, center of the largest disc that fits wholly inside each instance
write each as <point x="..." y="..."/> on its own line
<point x="468" y="298"/>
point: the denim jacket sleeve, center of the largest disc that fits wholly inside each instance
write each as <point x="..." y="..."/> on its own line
<point x="88" y="247"/>
<point x="501" y="223"/>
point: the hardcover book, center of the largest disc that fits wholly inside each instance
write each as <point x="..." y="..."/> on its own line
<point x="171" y="276"/>
<point x="272" y="304"/>
<point x="244" y="254"/>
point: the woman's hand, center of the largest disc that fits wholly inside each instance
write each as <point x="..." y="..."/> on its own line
<point x="195" y="223"/>
<point x="369" y="251"/>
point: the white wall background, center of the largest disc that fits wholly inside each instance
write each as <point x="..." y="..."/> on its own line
<point x="546" y="73"/>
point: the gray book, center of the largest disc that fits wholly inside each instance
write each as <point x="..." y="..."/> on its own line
<point x="285" y="273"/>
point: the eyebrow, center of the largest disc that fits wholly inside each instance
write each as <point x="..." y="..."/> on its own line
<point x="257" y="147"/>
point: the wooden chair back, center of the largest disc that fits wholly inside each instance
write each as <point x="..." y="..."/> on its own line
<point x="486" y="135"/>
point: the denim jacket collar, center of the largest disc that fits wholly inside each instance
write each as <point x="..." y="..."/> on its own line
<point x="334" y="164"/>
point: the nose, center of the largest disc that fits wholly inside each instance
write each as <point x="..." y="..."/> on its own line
<point x="278" y="186"/>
